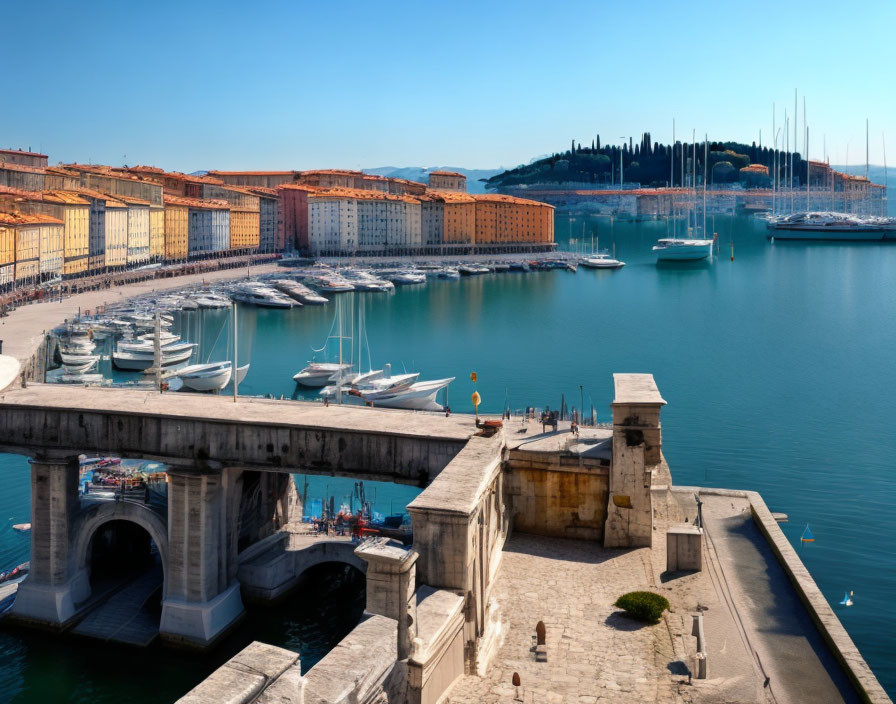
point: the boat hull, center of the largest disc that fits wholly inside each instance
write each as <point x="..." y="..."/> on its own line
<point x="676" y="254"/>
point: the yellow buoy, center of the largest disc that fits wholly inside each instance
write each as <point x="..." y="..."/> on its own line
<point x="476" y="399"/>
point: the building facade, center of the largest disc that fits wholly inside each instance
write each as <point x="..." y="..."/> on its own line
<point x="23" y="158"/>
<point x="448" y="181"/>
<point x="7" y="250"/>
<point x="177" y="229"/>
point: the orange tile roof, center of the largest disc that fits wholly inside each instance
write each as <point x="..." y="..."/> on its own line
<point x="208" y="204"/>
<point x="111" y="201"/>
<point x="57" y="197"/>
<point x="22" y="219"/>
<point x="22" y="151"/>
<point x="501" y="198"/>
<point x="755" y="169"/>
<point x="446" y="173"/>
<point x="449" y="196"/>
<point x="67" y="197"/>
<point x="298" y="187"/>
<point x="252" y="173"/>
<point x="130" y="200"/>
<point x="5" y="165"/>
<point x="360" y="194"/>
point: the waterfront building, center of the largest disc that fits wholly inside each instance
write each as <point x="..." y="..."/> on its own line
<point x="65" y="206"/>
<point x="156" y="232"/>
<point x="294" y="214"/>
<point x="270" y="219"/>
<point x="137" y="229"/>
<point x="22" y="177"/>
<point x="27" y="245"/>
<point x="7" y="249"/>
<point x="50" y="237"/>
<point x="256" y="179"/>
<point x="245" y="222"/>
<point x="208" y="227"/>
<point x="458" y="216"/>
<point x="332" y="222"/>
<point x="358" y="180"/>
<point x="177" y="228"/>
<point x="448" y="181"/>
<point x="23" y="158"/>
<point x="387" y="222"/>
<point x="755" y="176"/>
<point x="119" y="183"/>
<point x="432" y="220"/>
<point x="504" y="219"/>
<point x="107" y="230"/>
<point x="58" y="178"/>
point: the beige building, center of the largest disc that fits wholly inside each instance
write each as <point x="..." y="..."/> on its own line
<point x="25" y="178"/>
<point x="448" y="181"/>
<point x="116" y="230"/>
<point x="23" y="158"/>
<point x="332" y="223"/>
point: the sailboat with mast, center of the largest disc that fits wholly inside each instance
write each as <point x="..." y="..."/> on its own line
<point x="675" y="249"/>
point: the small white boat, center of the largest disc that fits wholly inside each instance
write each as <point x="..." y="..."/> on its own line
<point x="170" y="347"/>
<point x="213" y="376"/>
<point x="407" y="278"/>
<point x="448" y="273"/>
<point x="334" y="284"/>
<point x="141" y="361"/>
<point x="210" y="301"/>
<point x="473" y="269"/>
<point x="61" y="376"/>
<point x="420" y="396"/>
<point x="680" y="250"/>
<point x="381" y="383"/>
<point x="601" y="261"/>
<point x="262" y="296"/>
<point x="81" y="366"/>
<point x="318" y="374"/>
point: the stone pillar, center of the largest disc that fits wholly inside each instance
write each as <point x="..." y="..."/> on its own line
<point x="637" y="450"/>
<point x="52" y="589"/>
<point x="391" y="584"/>
<point x="203" y="599"/>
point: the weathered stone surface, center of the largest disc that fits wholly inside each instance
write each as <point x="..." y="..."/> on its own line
<point x="242" y="678"/>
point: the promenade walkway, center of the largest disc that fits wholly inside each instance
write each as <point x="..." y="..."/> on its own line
<point x="23" y="329"/>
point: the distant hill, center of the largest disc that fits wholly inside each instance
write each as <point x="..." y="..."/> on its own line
<point x="644" y="162"/>
<point x="421" y="174"/>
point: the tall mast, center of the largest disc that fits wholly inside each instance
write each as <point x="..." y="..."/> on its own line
<point x="796" y="119"/>
<point x="866" y="148"/>
<point x="705" y="155"/>
<point x="672" y="158"/>
<point x="883" y="206"/>
<point x="234" y="374"/>
<point x="774" y="161"/>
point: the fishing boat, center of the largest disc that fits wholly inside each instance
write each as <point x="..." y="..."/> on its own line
<point x="679" y="250"/>
<point x="807" y="536"/>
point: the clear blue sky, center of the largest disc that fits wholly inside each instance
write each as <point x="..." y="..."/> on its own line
<point x="190" y="85"/>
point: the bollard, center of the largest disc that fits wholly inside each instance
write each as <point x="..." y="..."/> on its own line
<point x="700" y="657"/>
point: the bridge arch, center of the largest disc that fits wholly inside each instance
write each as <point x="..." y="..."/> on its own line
<point x="96" y="516"/>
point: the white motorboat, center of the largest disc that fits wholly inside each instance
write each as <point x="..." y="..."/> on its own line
<point x="80" y="367"/>
<point x="61" y="376"/>
<point x="76" y="359"/>
<point x="829" y="226"/>
<point x="211" y="301"/>
<point x="472" y="269"/>
<point x="262" y="296"/>
<point x="381" y="383"/>
<point x="318" y="374"/>
<point x="170" y="347"/>
<point x="601" y="261"/>
<point x="420" y="396"/>
<point x="333" y="284"/>
<point x="213" y="376"/>
<point x="407" y="278"/>
<point x="365" y="281"/>
<point x="141" y="361"/>
<point x="674" y="249"/>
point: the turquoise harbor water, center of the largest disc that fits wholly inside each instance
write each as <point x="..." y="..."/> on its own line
<point x="777" y="367"/>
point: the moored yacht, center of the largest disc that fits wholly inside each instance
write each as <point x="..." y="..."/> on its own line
<point x="318" y="374"/>
<point x="600" y="261"/>
<point x="674" y="249"/>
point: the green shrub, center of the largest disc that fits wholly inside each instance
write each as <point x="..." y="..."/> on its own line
<point x="643" y="606"/>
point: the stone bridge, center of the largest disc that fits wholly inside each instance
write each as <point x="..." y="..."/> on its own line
<point x="429" y="609"/>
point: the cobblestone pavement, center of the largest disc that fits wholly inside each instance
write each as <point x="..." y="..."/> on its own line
<point x="594" y="654"/>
